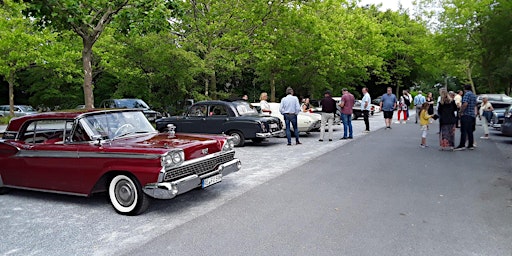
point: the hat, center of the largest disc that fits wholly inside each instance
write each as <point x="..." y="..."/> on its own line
<point x="327" y="92"/>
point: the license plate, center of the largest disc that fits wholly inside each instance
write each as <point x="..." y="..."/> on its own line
<point x="211" y="180"/>
<point x="273" y="126"/>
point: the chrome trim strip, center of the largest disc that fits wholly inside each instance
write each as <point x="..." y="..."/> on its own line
<point x="75" y="154"/>
<point x="48" y="191"/>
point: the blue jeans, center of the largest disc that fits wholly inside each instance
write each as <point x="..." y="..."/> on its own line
<point x="347" y="123"/>
<point x="466" y="130"/>
<point x="293" y="119"/>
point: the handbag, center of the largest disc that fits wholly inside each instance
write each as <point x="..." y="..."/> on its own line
<point x="488" y="115"/>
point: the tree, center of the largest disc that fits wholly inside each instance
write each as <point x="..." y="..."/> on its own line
<point x="20" y="44"/>
<point x="88" y="19"/>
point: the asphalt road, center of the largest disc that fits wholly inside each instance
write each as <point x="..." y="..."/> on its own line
<point x="379" y="194"/>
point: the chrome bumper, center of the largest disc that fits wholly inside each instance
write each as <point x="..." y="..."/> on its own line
<point x="270" y="134"/>
<point x="168" y="190"/>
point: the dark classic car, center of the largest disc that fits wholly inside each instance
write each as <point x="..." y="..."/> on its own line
<point x="150" y="114"/>
<point x="237" y="119"/>
<point x="506" y="127"/>
<point x="84" y="152"/>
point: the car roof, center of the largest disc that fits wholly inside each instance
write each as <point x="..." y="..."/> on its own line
<point x="16" y="123"/>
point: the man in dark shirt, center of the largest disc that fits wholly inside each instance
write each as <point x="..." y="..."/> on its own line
<point x="328" y="110"/>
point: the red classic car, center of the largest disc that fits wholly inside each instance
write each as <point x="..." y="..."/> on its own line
<point x="84" y="152"/>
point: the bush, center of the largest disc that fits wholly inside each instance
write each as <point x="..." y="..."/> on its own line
<point x="5" y="119"/>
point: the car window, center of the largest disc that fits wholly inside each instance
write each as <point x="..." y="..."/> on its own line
<point x="117" y="124"/>
<point x="197" y="110"/>
<point x="45" y="131"/>
<point x="218" y="110"/>
<point x="245" y="108"/>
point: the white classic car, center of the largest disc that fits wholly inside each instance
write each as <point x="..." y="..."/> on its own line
<point x="306" y="121"/>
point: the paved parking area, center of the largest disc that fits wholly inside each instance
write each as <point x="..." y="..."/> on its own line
<point x="36" y="223"/>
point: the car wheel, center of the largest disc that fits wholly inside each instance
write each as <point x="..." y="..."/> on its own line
<point x="354" y="116"/>
<point x="126" y="195"/>
<point x="239" y="139"/>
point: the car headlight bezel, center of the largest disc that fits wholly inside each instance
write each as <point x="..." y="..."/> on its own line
<point x="172" y="158"/>
<point x="229" y="144"/>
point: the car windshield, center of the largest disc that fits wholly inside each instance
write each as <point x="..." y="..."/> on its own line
<point x="132" y="103"/>
<point x="110" y="125"/>
<point x="27" y="108"/>
<point x="245" y="108"/>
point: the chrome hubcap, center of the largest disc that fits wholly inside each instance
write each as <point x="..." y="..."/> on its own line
<point x="125" y="193"/>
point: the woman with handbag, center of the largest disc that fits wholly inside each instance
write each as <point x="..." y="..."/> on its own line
<point x="485" y="111"/>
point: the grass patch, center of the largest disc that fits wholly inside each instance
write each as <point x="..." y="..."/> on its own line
<point x="5" y="119"/>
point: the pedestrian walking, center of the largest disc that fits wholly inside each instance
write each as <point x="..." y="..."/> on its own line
<point x="366" y="107"/>
<point x="430" y="100"/>
<point x="265" y="107"/>
<point x="408" y="99"/>
<point x="418" y="102"/>
<point x="328" y="111"/>
<point x="485" y="110"/>
<point x="388" y="105"/>
<point x="290" y="108"/>
<point x="347" y="103"/>
<point x="424" y="121"/>
<point x="447" y="120"/>
<point x="467" y="119"/>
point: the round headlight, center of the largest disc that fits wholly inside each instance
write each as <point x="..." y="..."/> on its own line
<point x="176" y="157"/>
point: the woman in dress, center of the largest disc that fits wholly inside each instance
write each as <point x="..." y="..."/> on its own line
<point x="430" y="101"/>
<point x="486" y="112"/>
<point x="447" y="121"/>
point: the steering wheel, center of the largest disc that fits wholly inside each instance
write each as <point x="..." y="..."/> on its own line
<point x="125" y="128"/>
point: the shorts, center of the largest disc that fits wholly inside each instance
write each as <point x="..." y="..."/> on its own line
<point x="388" y="114"/>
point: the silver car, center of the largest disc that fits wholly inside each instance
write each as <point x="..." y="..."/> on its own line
<point x="19" y="110"/>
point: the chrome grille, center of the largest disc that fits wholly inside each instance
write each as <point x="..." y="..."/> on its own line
<point x="199" y="168"/>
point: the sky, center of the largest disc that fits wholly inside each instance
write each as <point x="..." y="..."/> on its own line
<point x="389" y="4"/>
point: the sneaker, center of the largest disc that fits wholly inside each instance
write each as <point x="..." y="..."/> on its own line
<point x="350" y="137"/>
<point x="320" y="140"/>
<point x="422" y="146"/>
<point x="459" y="148"/>
<point x="397" y="122"/>
<point x="484" y="137"/>
<point x="366" y="131"/>
<point x="471" y="148"/>
<point x="298" y="143"/>
<point x="330" y="139"/>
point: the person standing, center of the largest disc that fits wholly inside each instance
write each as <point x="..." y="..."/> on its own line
<point x="407" y="99"/>
<point x="388" y="105"/>
<point x="265" y="107"/>
<point x="290" y="108"/>
<point x="418" y="102"/>
<point x="328" y="110"/>
<point x="402" y="107"/>
<point x="430" y="101"/>
<point x="486" y="110"/>
<point x="447" y="120"/>
<point x="467" y="118"/>
<point x="347" y="103"/>
<point x="458" y="103"/>
<point x="366" y="107"/>
<point x="424" y="121"/>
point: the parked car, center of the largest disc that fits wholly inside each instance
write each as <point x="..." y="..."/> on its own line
<point x="306" y="121"/>
<point x="506" y="126"/>
<point x="235" y="118"/>
<point x="150" y="114"/>
<point x="356" y="109"/>
<point x="19" y="110"/>
<point x="84" y="152"/>
<point x="500" y="103"/>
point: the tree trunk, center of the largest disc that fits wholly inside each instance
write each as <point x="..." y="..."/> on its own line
<point x="206" y="86"/>
<point x="272" y="87"/>
<point x="469" y="74"/>
<point x="11" y="92"/>
<point x="87" y="62"/>
<point x="213" y="86"/>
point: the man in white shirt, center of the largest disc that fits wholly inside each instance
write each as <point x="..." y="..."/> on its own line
<point x="366" y="107"/>
<point x="290" y="108"/>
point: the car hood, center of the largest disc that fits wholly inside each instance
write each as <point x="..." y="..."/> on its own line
<point x="194" y="145"/>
